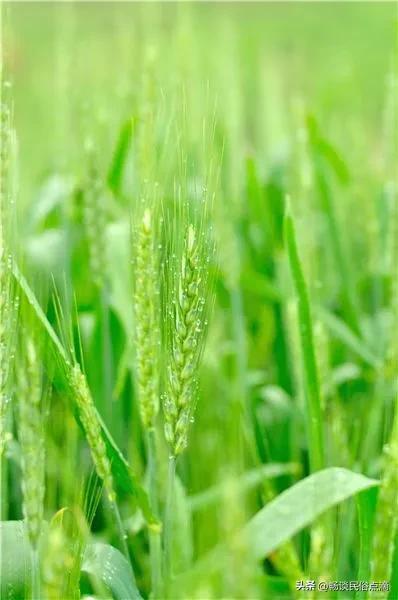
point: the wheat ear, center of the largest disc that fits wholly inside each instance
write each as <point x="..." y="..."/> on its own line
<point x="92" y="428"/>
<point x="186" y="342"/>
<point x="31" y="439"/>
<point x="147" y="364"/>
<point x="146" y="320"/>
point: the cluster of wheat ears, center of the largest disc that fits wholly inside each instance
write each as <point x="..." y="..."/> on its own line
<point x="171" y="294"/>
<point x="170" y="298"/>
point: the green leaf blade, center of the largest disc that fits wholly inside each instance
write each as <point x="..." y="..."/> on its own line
<point x="125" y="479"/>
<point x="115" y="174"/>
<point x="311" y="378"/>
<point x="113" y="570"/>
<point x="286" y="515"/>
<point x="300" y="505"/>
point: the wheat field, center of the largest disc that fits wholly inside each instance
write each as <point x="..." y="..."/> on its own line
<point x="198" y="300"/>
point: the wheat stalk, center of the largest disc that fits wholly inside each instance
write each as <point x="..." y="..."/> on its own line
<point x="147" y="341"/>
<point x="186" y="302"/>
<point x="386" y="522"/>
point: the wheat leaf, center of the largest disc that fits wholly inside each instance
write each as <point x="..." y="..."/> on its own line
<point x="124" y="477"/>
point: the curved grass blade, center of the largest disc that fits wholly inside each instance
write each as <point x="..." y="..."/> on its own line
<point x="124" y="477"/>
<point x="108" y="565"/>
<point x="37" y="309"/>
<point x="286" y="515"/>
<point x="322" y="150"/>
<point x="246" y="482"/>
<point x="115" y="174"/>
<point x="15" y="560"/>
<point x="341" y="331"/>
<point x="300" y="505"/>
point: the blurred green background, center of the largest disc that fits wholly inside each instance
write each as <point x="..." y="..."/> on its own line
<point x="70" y="59"/>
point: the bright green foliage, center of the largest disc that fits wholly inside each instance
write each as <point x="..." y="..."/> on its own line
<point x="216" y="373"/>
<point x="15" y="564"/>
<point x="385" y="529"/>
<point x="292" y="510"/>
<point x="6" y="308"/>
<point x="313" y="412"/>
<point x="113" y="569"/>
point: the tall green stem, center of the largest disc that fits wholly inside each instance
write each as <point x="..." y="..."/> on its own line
<point x="168" y="522"/>
<point x="336" y="245"/>
<point x="313" y="395"/>
<point x="3" y="488"/>
<point x="154" y="536"/>
<point x="107" y="358"/>
<point x="122" y="530"/>
<point x="315" y="433"/>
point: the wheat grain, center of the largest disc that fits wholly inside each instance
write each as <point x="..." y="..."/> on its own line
<point x="92" y="428"/>
<point x="89" y="418"/>
<point x="188" y="327"/>
<point x="146" y="320"/>
<point x="31" y="438"/>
